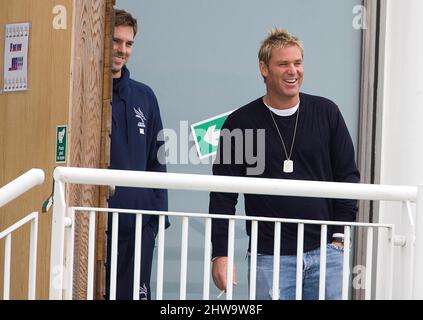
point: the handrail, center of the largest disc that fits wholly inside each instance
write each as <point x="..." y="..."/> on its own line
<point x="20" y="185"/>
<point x="179" y="181"/>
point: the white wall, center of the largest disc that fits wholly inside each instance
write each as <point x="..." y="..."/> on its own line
<point x="401" y="156"/>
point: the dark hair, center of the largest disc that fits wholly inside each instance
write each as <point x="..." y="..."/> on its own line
<point x="123" y="18"/>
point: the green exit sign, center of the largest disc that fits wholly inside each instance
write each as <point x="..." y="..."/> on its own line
<point x="206" y="134"/>
<point x="61" y="143"/>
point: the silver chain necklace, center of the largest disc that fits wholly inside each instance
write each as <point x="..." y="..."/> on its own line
<point x="288" y="164"/>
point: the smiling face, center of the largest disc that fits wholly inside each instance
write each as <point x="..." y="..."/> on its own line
<point x="123" y="39"/>
<point x="283" y="76"/>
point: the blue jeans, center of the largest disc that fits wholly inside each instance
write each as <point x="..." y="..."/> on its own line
<point x="311" y="271"/>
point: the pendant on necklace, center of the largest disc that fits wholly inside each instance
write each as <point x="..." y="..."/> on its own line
<point x="288" y="166"/>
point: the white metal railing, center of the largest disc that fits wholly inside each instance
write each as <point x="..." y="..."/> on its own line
<point x="8" y="193"/>
<point x="207" y="249"/>
<point x="63" y="217"/>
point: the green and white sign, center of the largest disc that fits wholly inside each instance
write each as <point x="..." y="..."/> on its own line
<point x="206" y="134"/>
<point x="61" y="143"/>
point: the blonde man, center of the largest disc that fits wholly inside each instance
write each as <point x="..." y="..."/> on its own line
<point x="305" y="139"/>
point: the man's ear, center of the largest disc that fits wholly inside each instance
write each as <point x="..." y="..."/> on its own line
<point x="264" y="70"/>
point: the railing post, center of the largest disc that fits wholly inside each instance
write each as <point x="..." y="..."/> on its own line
<point x="418" y="247"/>
<point x="32" y="274"/>
<point x="57" y="241"/>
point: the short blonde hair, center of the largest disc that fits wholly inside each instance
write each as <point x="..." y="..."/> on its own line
<point x="277" y="38"/>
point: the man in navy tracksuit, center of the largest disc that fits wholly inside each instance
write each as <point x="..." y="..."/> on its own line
<point x="135" y="145"/>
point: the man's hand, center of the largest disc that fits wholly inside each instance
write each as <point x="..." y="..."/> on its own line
<point x="219" y="273"/>
<point x="338" y="244"/>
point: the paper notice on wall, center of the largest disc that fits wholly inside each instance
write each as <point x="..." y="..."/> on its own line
<point x="16" y="57"/>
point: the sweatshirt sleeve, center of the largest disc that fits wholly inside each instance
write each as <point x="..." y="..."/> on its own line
<point x="223" y="202"/>
<point x="344" y="168"/>
<point x="156" y="155"/>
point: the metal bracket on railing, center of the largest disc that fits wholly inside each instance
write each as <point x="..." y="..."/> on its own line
<point x="412" y="223"/>
<point x="49" y="201"/>
<point x="112" y="190"/>
<point x="400" y="241"/>
<point x="410" y="213"/>
<point x="68" y="222"/>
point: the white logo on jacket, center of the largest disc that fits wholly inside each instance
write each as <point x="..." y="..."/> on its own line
<point x="140" y="115"/>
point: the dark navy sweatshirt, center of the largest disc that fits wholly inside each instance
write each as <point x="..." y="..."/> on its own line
<point x="323" y="151"/>
<point x="136" y="124"/>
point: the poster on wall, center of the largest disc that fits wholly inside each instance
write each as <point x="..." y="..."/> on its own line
<point x="16" y="57"/>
